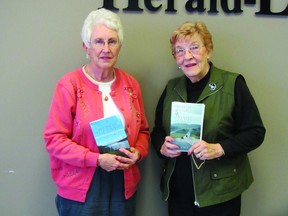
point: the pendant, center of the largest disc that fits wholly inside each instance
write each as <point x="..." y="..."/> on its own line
<point x="105" y="98"/>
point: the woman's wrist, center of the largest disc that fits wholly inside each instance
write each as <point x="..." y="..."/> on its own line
<point x="99" y="161"/>
<point x="139" y="157"/>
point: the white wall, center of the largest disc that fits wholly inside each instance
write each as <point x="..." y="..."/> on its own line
<point x="40" y="41"/>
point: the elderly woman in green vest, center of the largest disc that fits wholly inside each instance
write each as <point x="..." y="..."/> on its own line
<point x="210" y="177"/>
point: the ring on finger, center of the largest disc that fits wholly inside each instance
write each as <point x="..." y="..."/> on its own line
<point x="200" y="154"/>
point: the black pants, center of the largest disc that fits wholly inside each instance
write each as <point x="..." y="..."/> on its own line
<point x="229" y="208"/>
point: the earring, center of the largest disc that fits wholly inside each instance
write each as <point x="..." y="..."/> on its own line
<point x="179" y="67"/>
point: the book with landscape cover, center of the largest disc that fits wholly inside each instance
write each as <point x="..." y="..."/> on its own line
<point x="110" y="135"/>
<point x="186" y="124"/>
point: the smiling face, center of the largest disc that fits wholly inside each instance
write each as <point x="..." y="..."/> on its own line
<point x="192" y="57"/>
<point x="104" y="47"/>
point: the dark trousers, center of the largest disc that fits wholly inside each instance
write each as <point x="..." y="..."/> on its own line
<point x="105" y="198"/>
<point x="229" y="208"/>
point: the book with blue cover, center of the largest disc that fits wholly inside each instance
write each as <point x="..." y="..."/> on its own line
<point x="186" y="124"/>
<point x="109" y="134"/>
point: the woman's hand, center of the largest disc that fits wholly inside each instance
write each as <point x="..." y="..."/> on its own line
<point x="111" y="162"/>
<point x="133" y="155"/>
<point x="206" y="151"/>
<point x="169" y="149"/>
<point x="108" y="162"/>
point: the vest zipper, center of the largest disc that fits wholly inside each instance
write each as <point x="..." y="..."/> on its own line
<point x="196" y="203"/>
<point x="167" y="186"/>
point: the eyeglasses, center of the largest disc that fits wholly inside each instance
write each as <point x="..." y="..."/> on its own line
<point x="100" y="43"/>
<point x="180" y="51"/>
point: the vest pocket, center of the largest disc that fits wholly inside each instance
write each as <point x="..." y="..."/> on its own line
<point x="224" y="179"/>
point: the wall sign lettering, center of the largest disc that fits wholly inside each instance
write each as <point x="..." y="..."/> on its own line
<point x="199" y="6"/>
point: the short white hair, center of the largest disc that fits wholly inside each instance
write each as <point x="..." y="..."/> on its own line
<point x="101" y="16"/>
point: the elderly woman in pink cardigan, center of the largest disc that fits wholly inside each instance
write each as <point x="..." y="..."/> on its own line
<point x="90" y="182"/>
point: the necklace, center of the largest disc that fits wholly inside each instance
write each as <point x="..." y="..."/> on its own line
<point x="91" y="75"/>
<point x="104" y="87"/>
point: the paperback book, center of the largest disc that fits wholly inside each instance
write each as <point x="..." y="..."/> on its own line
<point x="109" y="134"/>
<point x="186" y="124"/>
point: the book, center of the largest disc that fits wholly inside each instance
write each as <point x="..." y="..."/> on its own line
<point x="186" y="124"/>
<point x="110" y="135"/>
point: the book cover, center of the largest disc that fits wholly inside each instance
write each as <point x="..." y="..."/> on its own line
<point x="186" y="124"/>
<point x="109" y="134"/>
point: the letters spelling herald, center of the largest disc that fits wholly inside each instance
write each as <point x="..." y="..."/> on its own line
<point x="194" y="6"/>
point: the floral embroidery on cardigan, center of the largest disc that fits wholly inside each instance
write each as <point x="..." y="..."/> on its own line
<point x="131" y="92"/>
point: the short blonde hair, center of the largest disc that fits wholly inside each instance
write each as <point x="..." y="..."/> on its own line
<point x="188" y="29"/>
